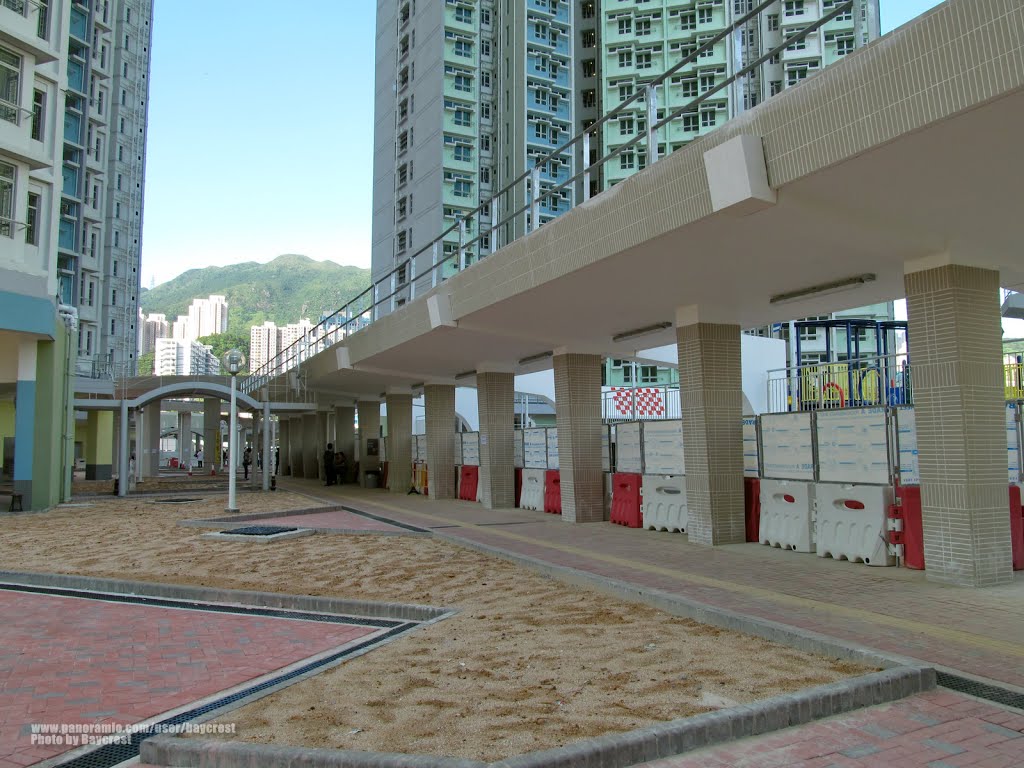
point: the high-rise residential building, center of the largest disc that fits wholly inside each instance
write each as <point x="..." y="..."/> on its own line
<point x="184" y="358"/>
<point x="152" y="327"/>
<point x="471" y="93"/>
<point x="293" y="332"/>
<point x="264" y="344"/>
<point x="103" y="177"/>
<point x="207" y="317"/>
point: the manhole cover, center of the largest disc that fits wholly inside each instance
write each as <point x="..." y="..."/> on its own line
<point x="260" y="530"/>
<point x="174" y="501"/>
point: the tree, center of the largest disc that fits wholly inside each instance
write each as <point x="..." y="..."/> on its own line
<point x="146" y="363"/>
<point x="222" y="342"/>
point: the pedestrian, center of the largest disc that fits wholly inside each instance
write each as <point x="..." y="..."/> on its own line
<point x="246" y="461"/>
<point x="329" y="464"/>
<point x="199" y="458"/>
<point x="277" y="460"/>
<point x="340" y="467"/>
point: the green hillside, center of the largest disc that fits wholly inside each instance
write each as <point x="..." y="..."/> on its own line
<point x="288" y="288"/>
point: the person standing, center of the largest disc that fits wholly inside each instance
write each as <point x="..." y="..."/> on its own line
<point x="329" y="464"/>
<point x="246" y="461"/>
<point x="199" y="458"/>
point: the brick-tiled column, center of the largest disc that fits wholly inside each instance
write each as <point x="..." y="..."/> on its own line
<point x="211" y="434"/>
<point x="399" y="442"/>
<point x="150" y="454"/>
<point x="322" y="439"/>
<point x="310" y="444"/>
<point x="711" y="399"/>
<point x="578" y="414"/>
<point x="440" y="416"/>
<point x="955" y="356"/>
<point x="369" y="429"/>
<point x="295" y="447"/>
<point x="283" y="445"/>
<point x="345" y="436"/>
<point x="495" y="393"/>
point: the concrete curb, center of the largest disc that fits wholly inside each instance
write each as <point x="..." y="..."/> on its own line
<point x="299" y="533"/>
<point x="613" y="751"/>
<point x="251" y="598"/>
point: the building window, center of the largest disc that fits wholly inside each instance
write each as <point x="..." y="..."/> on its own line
<point x="643" y="60"/>
<point x="463" y="188"/>
<point x="589" y="98"/>
<point x="38" y="114"/>
<point x="690" y="122"/>
<point x="689" y="88"/>
<point x="7" y="175"/>
<point x="463" y="153"/>
<point x="705" y="16"/>
<point x="625" y="58"/>
<point x="589" y="68"/>
<point x="844" y="46"/>
<point x="773" y="22"/>
<point x="648" y="374"/>
<point x="463" y="15"/>
<point x="463" y="48"/>
<point x="463" y="83"/>
<point x="627" y="160"/>
<point x="797" y="45"/>
<point x="687" y="21"/>
<point x="588" y="39"/>
<point x="626" y="125"/>
<point x="463" y="117"/>
<point x="708" y="118"/>
<point x="10" y="82"/>
<point x="794" y="8"/>
<point x="625" y="26"/>
<point x="587" y="9"/>
<point x="643" y="27"/>
<point x="32" y="220"/>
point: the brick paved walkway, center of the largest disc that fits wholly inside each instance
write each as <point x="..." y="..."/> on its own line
<point x="73" y="660"/>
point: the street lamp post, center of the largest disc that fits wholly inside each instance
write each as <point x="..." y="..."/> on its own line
<point x="233" y="361"/>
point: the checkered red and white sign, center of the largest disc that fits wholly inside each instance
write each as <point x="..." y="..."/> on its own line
<point x="649" y="401"/>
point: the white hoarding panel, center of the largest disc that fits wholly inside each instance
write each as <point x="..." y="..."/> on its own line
<point x="907" y="437"/>
<point x="552" y="441"/>
<point x="1012" y="445"/>
<point x="471" y="449"/>
<point x="627" y="447"/>
<point x="663" y="447"/>
<point x="517" y="448"/>
<point x="852" y="446"/>
<point x="383" y="449"/>
<point x="535" y="450"/>
<point x="750" y="466"/>
<point x="606" y="462"/>
<point x="419" y="448"/>
<point x="786" y="442"/>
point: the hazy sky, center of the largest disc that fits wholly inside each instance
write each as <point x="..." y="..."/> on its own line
<point x="261" y="131"/>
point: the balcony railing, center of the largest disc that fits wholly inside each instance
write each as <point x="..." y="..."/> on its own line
<point x="388" y="292"/>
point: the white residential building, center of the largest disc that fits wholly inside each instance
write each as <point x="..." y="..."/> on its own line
<point x="264" y="344"/>
<point x="184" y="358"/>
<point x="152" y="327"/>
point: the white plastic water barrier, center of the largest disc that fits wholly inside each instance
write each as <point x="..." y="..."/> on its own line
<point x="853" y="446"/>
<point x="532" y="495"/>
<point x="852" y="522"/>
<point x="906" y="438"/>
<point x="750" y="463"/>
<point x="1012" y="443"/>
<point x="627" y="447"/>
<point x="552" y="441"/>
<point x="787" y="515"/>
<point x="419" y="448"/>
<point x="606" y="439"/>
<point x="517" y="448"/>
<point x="471" y="449"/>
<point x="535" y="449"/>
<point x="786" y="442"/>
<point x="664" y="503"/>
<point x="663" y="447"/>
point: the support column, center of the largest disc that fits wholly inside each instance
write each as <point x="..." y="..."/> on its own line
<point x="295" y="458"/>
<point x="282" y="454"/>
<point x="185" y="449"/>
<point x="310" y="455"/>
<point x="345" y="436"/>
<point x="369" y="429"/>
<point x="440" y="417"/>
<point x="711" y="400"/>
<point x="124" y="451"/>
<point x="25" y="420"/>
<point x="99" y="448"/>
<point x="268" y="425"/>
<point x="211" y="432"/>
<point x="322" y="439"/>
<point x="399" y="441"/>
<point x="151" y="440"/>
<point x="959" y="403"/>
<point x="495" y="393"/>
<point x="578" y="414"/>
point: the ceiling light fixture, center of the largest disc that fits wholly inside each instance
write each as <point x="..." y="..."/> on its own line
<point x="823" y="288"/>
<point x="464" y="375"/>
<point x="535" y="358"/>
<point x="641" y="331"/>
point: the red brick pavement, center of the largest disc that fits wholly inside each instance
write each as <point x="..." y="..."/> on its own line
<point x="339" y="519"/>
<point x="73" y="660"/>
<point x="941" y="729"/>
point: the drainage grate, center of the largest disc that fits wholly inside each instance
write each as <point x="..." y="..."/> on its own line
<point x="112" y="754"/>
<point x="260" y="530"/>
<point x="244" y="610"/>
<point x="980" y="690"/>
<point x="174" y="501"/>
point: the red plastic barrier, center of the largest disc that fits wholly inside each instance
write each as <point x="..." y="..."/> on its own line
<point x="626" y="499"/>
<point x="384" y="474"/>
<point x="912" y="536"/>
<point x="519" y="486"/>
<point x="552" y="492"/>
<point x="468" y="482"/>
<point x="752" y="507"/>
<point x="1016" y="528"/>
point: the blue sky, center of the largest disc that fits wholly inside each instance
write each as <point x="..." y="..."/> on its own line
<point x="261" y="131"/>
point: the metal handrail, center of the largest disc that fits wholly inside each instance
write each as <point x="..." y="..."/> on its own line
<point x="369" y="301"/>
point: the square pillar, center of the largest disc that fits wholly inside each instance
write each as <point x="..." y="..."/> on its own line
<point x="959" y="401"/>
<point x="440" y="417"/>
<point x="399" y="442"/>
<point x="578" y="416"/>
<point x="345" y="437"/>
<point x="495" y="393"/>
<point x="286" y="439"/>
<point x="323" y="438"/>
<point x="711" y="400"/>
<point x="151" y="440"/>
<point x="25" y="421"/>
<point x="211" y="434"/>
<point x="99" y="445"/>
<point x="311" y="456"/>
<point x="185" y="450"/>
<point x="369" y="429"/>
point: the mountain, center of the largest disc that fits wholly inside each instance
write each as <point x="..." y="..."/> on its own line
<point x="290" y="287"/>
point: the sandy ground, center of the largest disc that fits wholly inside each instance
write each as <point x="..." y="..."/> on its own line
<point x="528" y="663"/>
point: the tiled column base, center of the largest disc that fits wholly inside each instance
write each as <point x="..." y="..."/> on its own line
<point x="711" y="400"/>
<point x="578" y="412"/>
<point x="399" y="442"/>
<point x="440" y="414"/>
<point x="959" y="401"/>
<point x="496" y="397"/>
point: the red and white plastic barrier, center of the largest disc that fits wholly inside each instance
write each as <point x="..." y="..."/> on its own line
<point x="532" y="495"/>
<point x="787" y="515"/>
<point x="852" y="523"/>
<point x="664" y="503"/>
<point x="626" y="499"/>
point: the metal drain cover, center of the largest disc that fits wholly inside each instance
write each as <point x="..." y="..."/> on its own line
<point x="260" y="530"/>
<point x="174" y="501"/>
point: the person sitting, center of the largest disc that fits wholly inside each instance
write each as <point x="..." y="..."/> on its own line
<point x="341" y="467"/>
<point x="329" y="475"/>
